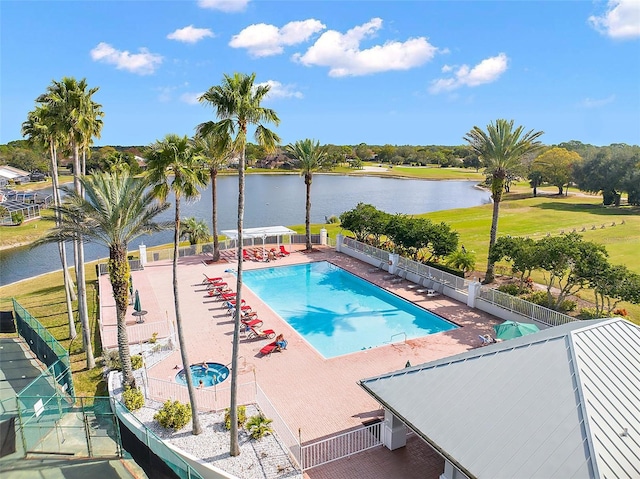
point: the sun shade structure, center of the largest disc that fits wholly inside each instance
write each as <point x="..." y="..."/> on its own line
<point x="564" y="402"/>
<point x="261" y="233"/>
<point x="513" y="329"/>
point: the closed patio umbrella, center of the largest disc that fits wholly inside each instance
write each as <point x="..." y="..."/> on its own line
<point x="136" y="303"/>
<point x="513" y="329"/>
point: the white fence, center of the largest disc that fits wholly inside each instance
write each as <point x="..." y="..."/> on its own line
<point x="280" y="427"/>
<point x="409" y="265"/>
<point x="340" y="446"/>
<point x="215" y="398"/>
<point x="524" y="308"/>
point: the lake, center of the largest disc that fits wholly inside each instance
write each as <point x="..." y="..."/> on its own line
<point x="273" y="200"/>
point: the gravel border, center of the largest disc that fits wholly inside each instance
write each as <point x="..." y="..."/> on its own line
<point x="266" y="458"/>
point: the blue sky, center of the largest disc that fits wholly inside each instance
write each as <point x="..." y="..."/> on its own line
<point x="397" y="72"/>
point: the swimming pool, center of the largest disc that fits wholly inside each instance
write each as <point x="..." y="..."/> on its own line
<point x="337" y="312"/>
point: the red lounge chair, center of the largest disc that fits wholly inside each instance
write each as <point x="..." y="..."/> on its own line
<point x="219" y="291"/>
<point x="208" y="280"/>
<point x="256" y="333"/>
<point x="268" y="349"/>
<point x="246" y="256"/>
<point x="283" y="252"/>
<point x="252" y="323"/>
<point x="228" y="296"/>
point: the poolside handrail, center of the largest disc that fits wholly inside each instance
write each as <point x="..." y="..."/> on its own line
<point x="398" y="334"/>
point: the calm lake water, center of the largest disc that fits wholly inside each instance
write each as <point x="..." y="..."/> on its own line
<point x="273" y="200"/>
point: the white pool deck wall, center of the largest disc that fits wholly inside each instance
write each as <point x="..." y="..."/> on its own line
<point x="470" y="297"/>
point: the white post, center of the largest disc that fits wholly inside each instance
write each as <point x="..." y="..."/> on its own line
<point x="394" y="432"/>
<point x="142" y="251"/>
<point x="394" y="258"/>
<point x="339" y="242"/>
<point x="323" y="237"/>
<point x="474" y="291"/>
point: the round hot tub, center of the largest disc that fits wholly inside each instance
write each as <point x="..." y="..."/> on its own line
<point x="212" y="374"/>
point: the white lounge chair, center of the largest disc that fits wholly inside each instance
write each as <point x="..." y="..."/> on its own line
<point x="401" y="276"/>
<point x="427" y="285"/>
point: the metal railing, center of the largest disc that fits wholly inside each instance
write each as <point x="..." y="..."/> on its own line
<point x="372" y="251"/>
<point x="409" y="265"/>
<point x="341" y="446"/>
<point x="279" y="425"/>
<point x="214" y="398"/>
<point x="524" y="308"/>
<point x="134" y="265"/>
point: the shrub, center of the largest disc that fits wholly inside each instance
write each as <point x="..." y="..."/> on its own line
<point x="258" y="426"/>
<point x="113" y="361"/>
<point x="567" y="306"/>
<point x="620" y="312"/>
<point x="511" y="289"/>
<point x="242" y="416"/>
<point x="133" y="399"/>
<point x="153" y="338"/>
<point x="589" y="313"/>
<point x="17" y="218"/>
<point x="538" y="297"/>
<point x="333" y="219"/>
<point x="174" y="415"/>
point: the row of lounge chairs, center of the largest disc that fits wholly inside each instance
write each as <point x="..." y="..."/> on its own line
<point x="424" y="285"/>
<point x="252" y="325"/>
<point x="263" y="255"/>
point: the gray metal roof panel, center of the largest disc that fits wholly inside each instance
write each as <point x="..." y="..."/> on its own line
<point x="537" y="406"/>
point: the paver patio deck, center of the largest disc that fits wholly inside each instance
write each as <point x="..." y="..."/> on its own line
<point x="316" y="397"/>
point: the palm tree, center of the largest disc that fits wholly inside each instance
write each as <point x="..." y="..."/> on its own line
<point x="237" y="102"/>
<point x="40" y="130"/>
<point x="310" y="157"/>
<point x="172" y="166"/>
<point x="502" y="149"/>
<point x="194" y="230"/>
<point x="77" y="116"/>
<point x="118" y="209"/>
<point x="214" y="153"/>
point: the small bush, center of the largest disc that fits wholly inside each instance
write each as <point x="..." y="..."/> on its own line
<point x="242" y="416"/>
<point x="113" y="361"/>
<point x="538" y="297"/>
<point x="154" y="338"/>
<point x="567" y="306"/>
<point x="589" y="313"/>
<point x="258" y="426"/>
<point x="511" y="289"/>
<point x="133" y="399"/>
<point x="17" y="218"/>
<point x="333" y="219"/>
<point x="174" y="415"/>
<point x="620" y="312"/>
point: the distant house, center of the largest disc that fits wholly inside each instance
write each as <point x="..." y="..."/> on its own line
<point x="142" y="162"/>
<point x="13" y="175"/>
<point x="560" y="403"/>
<point x="276" y="160"/>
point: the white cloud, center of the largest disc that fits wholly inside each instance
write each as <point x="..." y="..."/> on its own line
<point x="190" y="34"/>
<point x="263" y="40"/>
<point x="228" y="6"/>
<point x="278" y="90"/>
<point x="447" y="69"/>
<point x="621" y="20"/>
<point x="341" y="52"/>
<point x="143" y="63"/>
<point x="487" y="71"/>
<point x="596" y="103"/>
<point x="191" y="98"/>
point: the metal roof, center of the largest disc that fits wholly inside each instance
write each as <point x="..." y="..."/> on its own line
<point x="554" y="404"/>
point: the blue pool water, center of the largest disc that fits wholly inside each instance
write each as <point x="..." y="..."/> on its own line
<point x="337" y="312"/>
<point x="214" y="373"/>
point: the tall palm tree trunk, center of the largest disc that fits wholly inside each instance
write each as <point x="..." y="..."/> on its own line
<point x="119" y="277"/>
<point x="68" y="288"/>
<point x="214" y="215"/>
<point x="307" y="180"/>
<point x="496" y="195"/>
<point x="195" y="419"/>
<point x="234" y="449"/>
<point x="80" y="272"/>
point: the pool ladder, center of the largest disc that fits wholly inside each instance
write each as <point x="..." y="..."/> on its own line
<point x="398" y="334"/>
